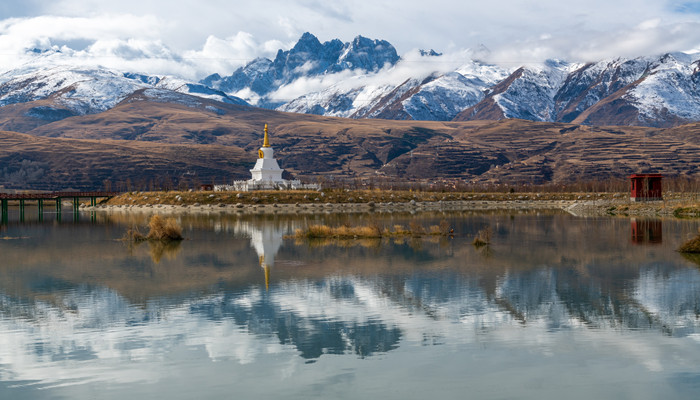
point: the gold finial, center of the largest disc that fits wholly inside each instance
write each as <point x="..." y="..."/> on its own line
<point x="266" y="141"/>
<point x="267" y="277"/>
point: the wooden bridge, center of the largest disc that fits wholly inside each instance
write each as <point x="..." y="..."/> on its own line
<point x="56" y="197"/>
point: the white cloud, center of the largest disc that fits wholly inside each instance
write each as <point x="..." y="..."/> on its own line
<point x="647" y="38"/>
<point x="195" y="38"/>
<point x="225" y="55"/>
<point x="411" y="66"/>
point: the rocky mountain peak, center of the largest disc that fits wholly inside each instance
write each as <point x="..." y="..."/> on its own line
<point x="367" y="54"/>
<point x="429" y="53"/>
<point x="307" y="58"/>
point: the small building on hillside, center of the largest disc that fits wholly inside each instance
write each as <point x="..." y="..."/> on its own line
<point x="266" y="174"/>
<point x="646" y="187"/>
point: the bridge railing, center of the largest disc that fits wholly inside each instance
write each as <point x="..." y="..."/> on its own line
<point x="53" y="195"/>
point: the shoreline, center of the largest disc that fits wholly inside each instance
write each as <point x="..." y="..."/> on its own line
<point x="582" y="208"/>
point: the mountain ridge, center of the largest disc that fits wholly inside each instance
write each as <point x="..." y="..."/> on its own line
<point x="366" y="78"/>
<point x="665" y="93"/>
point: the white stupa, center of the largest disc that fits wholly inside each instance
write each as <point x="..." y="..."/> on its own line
<point x="266" y="170"/>
<point x="266" y="174"/>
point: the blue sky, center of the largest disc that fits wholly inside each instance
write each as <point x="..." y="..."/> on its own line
<point x="193" y="38"/>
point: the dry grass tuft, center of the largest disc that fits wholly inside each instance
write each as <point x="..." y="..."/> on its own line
<point x="483" y="237"/>
<point x="164" y="229"/>
<point x="160" y="229"/>
<point x="341" y="232"/>
<point x="416" y="229"/>
<point x="133" y="234"/>
<point x="367" y="232"/>
<point x="691" y="246"/>
<point x="372" y="231"/>
<point x="400" y="230"/>
<point x="445" y="228"/>
<point x="315" y="231"/>
<point x="441" y="230"/>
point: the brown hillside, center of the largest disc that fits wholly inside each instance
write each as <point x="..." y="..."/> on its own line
<point x="31" y="162"/>
<point x="210" y="140"/>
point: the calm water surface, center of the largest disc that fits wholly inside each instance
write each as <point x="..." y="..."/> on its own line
<point x="556" y="307"/>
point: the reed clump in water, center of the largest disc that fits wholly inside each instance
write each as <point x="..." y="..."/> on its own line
<point x="159" y="229"/>
<point x="483" y="237"/>
<point x="370" y="231"/>
<point x="340" y="232"/>
<point x="692" y="245"/>
<point x="164" y="229"/>
<point x="443" y="229"/>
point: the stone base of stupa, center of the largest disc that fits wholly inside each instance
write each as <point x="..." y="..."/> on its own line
<point x="252" y="185"/>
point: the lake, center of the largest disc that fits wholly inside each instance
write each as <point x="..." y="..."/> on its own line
<point x="556" y="307"/>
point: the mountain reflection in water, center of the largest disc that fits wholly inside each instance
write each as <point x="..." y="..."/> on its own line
<point x="77" y="306"/>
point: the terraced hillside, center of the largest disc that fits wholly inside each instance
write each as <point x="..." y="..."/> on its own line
<point x="28" y="162"/>
<point x="145" y="140"/>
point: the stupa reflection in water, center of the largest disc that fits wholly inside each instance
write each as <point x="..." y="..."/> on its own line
<point x="266" y="239"/>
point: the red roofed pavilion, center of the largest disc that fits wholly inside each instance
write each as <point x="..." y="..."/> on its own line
<point x="646" y="187"/>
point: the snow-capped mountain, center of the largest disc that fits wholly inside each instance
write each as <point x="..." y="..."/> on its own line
<point x="81" y="91"/>
<point x="365" y="78"/>
<point x="666" y="93"/>
<point x="646" y="91"/>
<point x="593" y="82"/>
<point x="528" y="93"/>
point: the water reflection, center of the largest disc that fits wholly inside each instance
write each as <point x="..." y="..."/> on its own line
<point x="78" y="311"/>
<point x="266" y="239"/>
<point x="646" y="231"/>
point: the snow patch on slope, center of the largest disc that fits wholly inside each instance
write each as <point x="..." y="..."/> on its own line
<point x="91" y="90"/>
<point x="531" y="96"/>
<point x="84" y="91"/>
<point x="443" y="98"/>
<point x="668" y="89"/>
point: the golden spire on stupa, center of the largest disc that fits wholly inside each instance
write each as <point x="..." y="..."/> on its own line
<point x="266" y="141"/>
